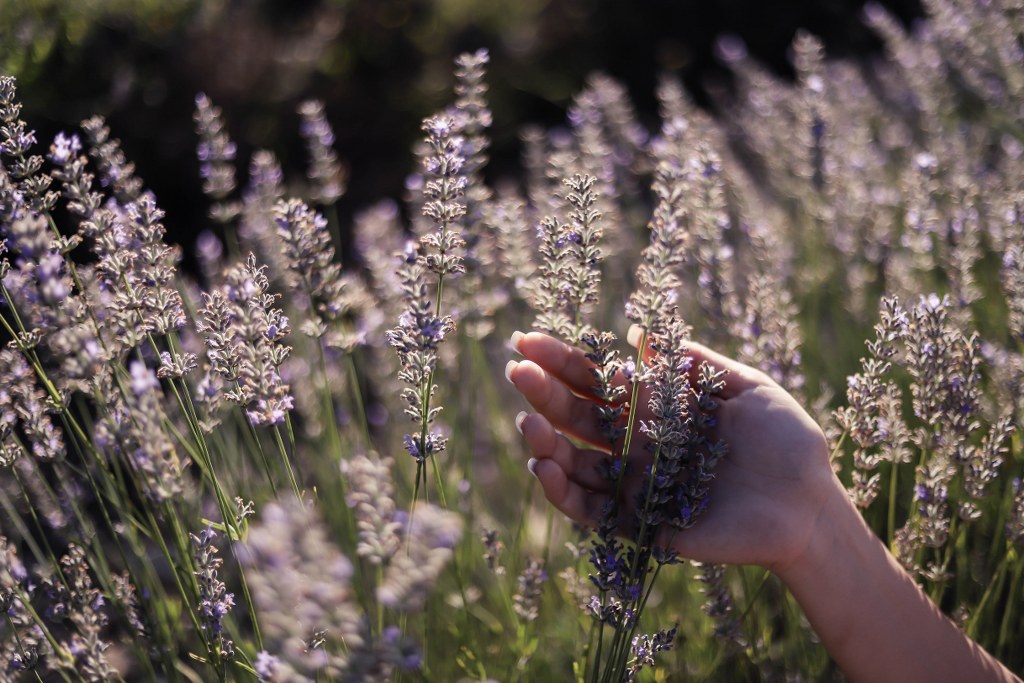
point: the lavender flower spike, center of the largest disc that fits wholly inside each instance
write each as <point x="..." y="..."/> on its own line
<point x="216" y="153"/>
<point x="325" y="172"/>
<point x="214" y="600"/>
<point x="443" y="192"/>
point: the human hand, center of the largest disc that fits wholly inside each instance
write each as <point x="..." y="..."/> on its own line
<point x="769" y="490"/>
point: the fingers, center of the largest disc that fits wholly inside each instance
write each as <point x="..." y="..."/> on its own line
<point x="566" y="495"/>
<point x="568" y="413"/>
<point x="741" y="378"/>
<point x="568" y="363"/>
<point x="579" y="465"/>
<point x="567" y="475"/>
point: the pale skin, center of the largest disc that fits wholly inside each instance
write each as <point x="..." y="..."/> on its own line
<point x="776" y="503"/>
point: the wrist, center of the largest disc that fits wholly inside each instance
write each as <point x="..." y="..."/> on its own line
<point x="837" y="537"/>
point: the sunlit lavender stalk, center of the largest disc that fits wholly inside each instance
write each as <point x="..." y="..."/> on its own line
<point x="215" y="602"/>
<point x="325" y="172"/>
<point x="116" y="172"/>
<point x="243" y="331"/>
<point x="872" y="418"/>
<point x="16" y="142"/>
<point x="313" y="270"/>
<point x="570" y="267"/>
<point x="216" y="153"/>
<point x="422" y="327"/>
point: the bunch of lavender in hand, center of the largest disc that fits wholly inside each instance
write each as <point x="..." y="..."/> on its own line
<point x="665" y="488"/>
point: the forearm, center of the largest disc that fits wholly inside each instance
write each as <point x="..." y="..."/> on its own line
<point x="873" y="619"/>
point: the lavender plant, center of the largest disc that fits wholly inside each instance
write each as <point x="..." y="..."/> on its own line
<point x="189" y="480"/>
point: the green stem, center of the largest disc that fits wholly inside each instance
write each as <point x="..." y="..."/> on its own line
<point x="891" y="519"/>
<point x="287" y="462"/>
<point x="994" y="585"/>
<point x="1011" y="603"/>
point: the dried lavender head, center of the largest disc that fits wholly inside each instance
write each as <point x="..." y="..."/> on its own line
<point x="473" y="116"/>
<point x="981" y="466"/>
<point x="1013" y="284"/>
<point x="150" y="450"/>
<point x="719" y="603"/>
<point x="609" y="557"/>
<point x="944" y="366"/>
<point x="153" y="271"/>
<point x="606" y="366"/>
<point x="514" y="243"/>
<point x="24" y="646"/>
<point x="325" y="173"/>
<point x="570" y="268"/>
<point x="127" y="597"/>
<point x="657" y="275"/>
<point x="873" y="416"/>
<point x="583" y="273"/>
<point x="43" y="285"/>
<point x="23" y="403"/>
<point x="493" y="547"/>
<point x="1015" y="524"/>
<point x="684" y="455"/>
<point x="549" y="292"/>
<point x="70" y="170"/>
<point x="16" y="143"/>
<point x="76" y="600"/>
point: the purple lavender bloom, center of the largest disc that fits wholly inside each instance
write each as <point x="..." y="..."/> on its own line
<point x="266" y="664"/>
<point x="64" y="149"/>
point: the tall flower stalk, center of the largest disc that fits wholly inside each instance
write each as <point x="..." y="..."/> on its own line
<point x="422" y="326"/>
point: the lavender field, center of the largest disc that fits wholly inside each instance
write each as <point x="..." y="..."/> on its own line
<point x="289" y="463"/>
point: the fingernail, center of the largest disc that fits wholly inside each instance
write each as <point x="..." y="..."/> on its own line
<point x="509" y="367"/>
<point x="517" y="337"/>
<point x="633" y="335"/>
<point x="531" y="465"/>
<point x="519" y="421"/>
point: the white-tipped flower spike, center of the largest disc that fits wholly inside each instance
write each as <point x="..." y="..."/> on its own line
<point x="658" y="273"/>
<point x="570" y="266"/>
<point x="16" y="143"/>
<point x="243" y="332"/>
<point x="443" y="191"/>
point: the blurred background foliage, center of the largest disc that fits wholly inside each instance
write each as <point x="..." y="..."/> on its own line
<point x="380" y="66"/>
